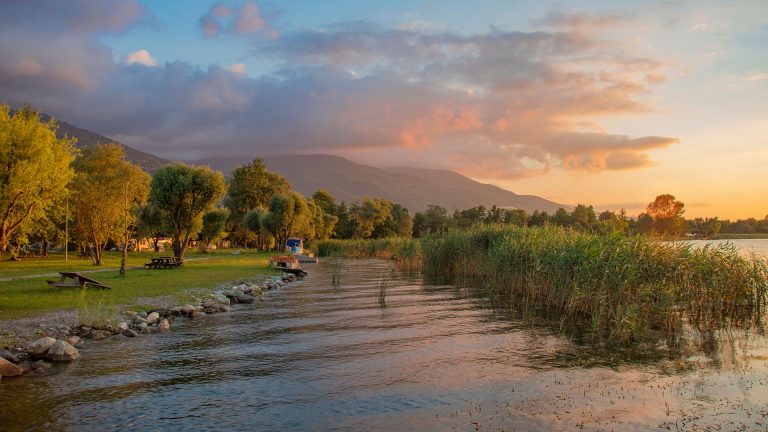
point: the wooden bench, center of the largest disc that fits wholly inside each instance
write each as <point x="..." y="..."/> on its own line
<point x="163" y="263"/>
<point x="76" y="280"/>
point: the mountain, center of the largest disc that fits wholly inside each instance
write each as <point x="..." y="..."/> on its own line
<point x="89" y="139"/>
<point x="415" y="188"/>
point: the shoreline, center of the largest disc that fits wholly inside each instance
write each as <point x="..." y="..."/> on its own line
<point x="54" y="336"/>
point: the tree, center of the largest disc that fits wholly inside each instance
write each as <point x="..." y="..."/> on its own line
<point x="183" y="194"/>
<point x="151" y="224"/>
<point x="516" y="217"/>
<point x="667" y="214"/>
<point x="645" y="224"/>
<point x="35" y="169"/>
<point x="610" y="222"/>
<point x="583" y="217"/>
<point x="104" y="192"/>
<point x="433" y="221"/>
<point x="326" y="201"/>
<point x="213" y="225"/>
<point x="287" y="215"/>
<point x="252" y="223"/>
<point x="251" y="187"/>
<point x="368" y="215"/>
<point x="539" y="218"/>
<point x="561" y="217"/>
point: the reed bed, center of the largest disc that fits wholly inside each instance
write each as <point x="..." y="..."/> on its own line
<point x="621" y="288"/>
<point x="624" y="288"/>
<point x="405" y="252"/>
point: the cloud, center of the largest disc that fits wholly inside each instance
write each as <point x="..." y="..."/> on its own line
<point x="244" y="20"/>
<point x="141" y="57"/>
<point x="581" y="20"/>
<point x="501" y="103"/>
<point x="238" y="68"/>
<point x="756" y="77"/>
<point x="78" y="16"/>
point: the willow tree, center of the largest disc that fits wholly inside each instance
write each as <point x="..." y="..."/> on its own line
<point x="183" y="194"/>
<point x="287" y="215"/>
<point x="105" y="192"/>
<point x="35" y="169"/>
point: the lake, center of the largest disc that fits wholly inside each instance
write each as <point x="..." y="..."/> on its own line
<point x="313" y="356"/>
<point x="758" y="246"/>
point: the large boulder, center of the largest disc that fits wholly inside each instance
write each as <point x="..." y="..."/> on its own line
<point x="39" y="347"/>
<point x="187" y="309"/>
<point x="9" y="369"/>
<point x="35" y="368"/>
<point x="240" y="296"/>
<point x="221" y="298"/>
<point x="153" y="317"/>
<point x="130" y="333"/>
<point x="61" y="351"/>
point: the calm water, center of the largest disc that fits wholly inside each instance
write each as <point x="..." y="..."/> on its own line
<point x="757" y="246"/>
<point x="316" y="357"/>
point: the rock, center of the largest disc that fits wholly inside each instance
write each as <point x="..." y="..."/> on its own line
<point x="153" y="317"/>
<point x="139" y="319"/>
<point x="39" y="347"/>
<point x="73" y="340"/>
<point x="256" y="291"/>
<point x="164" y="325"/>
<point x="123" y="326"/>
<point x="130" y="333"/>
<point x="143" y="314"/>
<point x="197" y="314"/>
<point x="130" y="314"/>
<point x="221" y="298"/>
<point x="35" y="368"/>
<point x="99" y="334"/>
<point x="5" y="354"/>
<point x="187" y="309"/>
<point x="141" y="326"/>
<point x="176" y="311"/>
<point x="240" y="296"/>
<point x="9" y="369"/>
<point x="61" y="351"/>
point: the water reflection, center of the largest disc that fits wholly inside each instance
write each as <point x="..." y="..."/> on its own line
<point x="314" y="356"/>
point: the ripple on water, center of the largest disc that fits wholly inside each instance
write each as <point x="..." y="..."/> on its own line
<point x="313" y="356"/>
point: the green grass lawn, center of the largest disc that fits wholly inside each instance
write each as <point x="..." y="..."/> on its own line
<point x="30" y="296"/>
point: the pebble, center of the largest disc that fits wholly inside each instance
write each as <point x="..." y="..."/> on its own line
<point x="130" y="333"/>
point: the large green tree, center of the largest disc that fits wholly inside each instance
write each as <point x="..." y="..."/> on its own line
<point x="213" y="225"/>
<point x="251" y="187"/>
<point x="287" y="215"/>
<point x="34" y="169"/>
<point x="183" y="194"/>
<point x="105" y="191"/>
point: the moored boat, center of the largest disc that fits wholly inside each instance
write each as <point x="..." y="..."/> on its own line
<point x="288" y="264"/>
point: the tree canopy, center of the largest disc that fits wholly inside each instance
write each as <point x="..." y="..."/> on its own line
<point x="183" y="194"/>
<point x="36" y="169"/>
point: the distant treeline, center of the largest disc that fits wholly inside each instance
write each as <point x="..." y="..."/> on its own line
<point x="96" y="199"/>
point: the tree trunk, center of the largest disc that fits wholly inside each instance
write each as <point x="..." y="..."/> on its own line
<point x="45" y="248"/>
<point x="125" y="255"/>
<point x="157" y="244"/>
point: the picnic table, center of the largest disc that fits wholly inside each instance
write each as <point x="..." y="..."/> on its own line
<point x="76" y="280"/>
<point x="163" y="262"/>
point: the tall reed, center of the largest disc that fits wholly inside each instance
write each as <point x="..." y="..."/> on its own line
<point x="624" y="287"/>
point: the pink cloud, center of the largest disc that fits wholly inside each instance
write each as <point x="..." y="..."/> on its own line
<point x="244" y="20"/>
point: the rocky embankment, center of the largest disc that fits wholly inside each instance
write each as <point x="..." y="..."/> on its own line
<point x="36" y="357"/>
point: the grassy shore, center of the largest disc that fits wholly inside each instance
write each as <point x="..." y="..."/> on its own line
<point x="26" y="296"/>
<point x="621" y="288"/>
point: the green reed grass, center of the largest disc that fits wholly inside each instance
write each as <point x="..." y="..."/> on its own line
<point x="623" y="288"/>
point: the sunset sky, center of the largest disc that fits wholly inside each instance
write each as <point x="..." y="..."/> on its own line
<point x="596" y="102"/>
